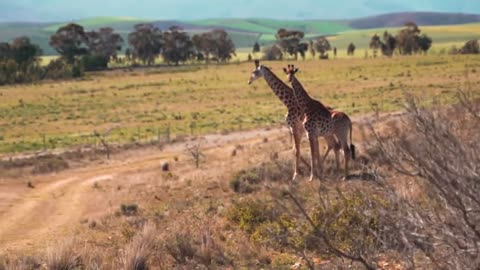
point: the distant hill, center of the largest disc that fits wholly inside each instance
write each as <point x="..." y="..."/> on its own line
<point x="245" y="32"/>
<point x="420" y="18"/>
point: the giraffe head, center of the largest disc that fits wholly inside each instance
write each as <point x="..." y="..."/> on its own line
<point x="256" y="73"/>
<point x="290" y="70"/>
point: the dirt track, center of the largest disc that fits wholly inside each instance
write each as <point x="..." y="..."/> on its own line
<point x="32" y="218"/>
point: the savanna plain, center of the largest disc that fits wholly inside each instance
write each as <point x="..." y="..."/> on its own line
<point x="199" y="168"/>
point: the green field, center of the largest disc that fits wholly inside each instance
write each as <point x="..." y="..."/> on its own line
<point x="449" y="34"/>
<point x="143" y="103"/>
<point x="269" y="26"/>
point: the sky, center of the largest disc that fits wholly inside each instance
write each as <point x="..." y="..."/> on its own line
<point x="67" y="10"/>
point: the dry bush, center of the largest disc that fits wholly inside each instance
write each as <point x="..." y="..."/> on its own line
<point x="23" y="263"/>
<point x="441" y="151"/>
<point x="138" y="252"/>
<point x="129" y="209"/>
<point x="251" y="180"/>
<point x="193" y="248"/>
<point x="63" y="256"/>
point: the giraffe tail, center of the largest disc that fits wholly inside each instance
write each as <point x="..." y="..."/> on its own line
<point x="352" y="147"/>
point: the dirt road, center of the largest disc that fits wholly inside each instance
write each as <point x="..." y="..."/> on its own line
<point x="32" y="218"/>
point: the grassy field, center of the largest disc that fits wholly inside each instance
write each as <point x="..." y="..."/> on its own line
<point x="142" y="104"/>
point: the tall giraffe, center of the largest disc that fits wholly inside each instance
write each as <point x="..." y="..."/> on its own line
<point x="295" y="115"/>
<point x="322" y="121"/>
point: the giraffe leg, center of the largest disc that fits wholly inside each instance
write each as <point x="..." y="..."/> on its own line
<point x="336" y="149"/>
<point x="320" y="161"/>
<point x="314" y="172"/>
<point x="343" y="138"/>
<point x="297" y="137"/>
<point x="333" y="144"/>
<point x="301" y="131"/>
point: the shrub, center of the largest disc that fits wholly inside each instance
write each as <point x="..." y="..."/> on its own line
<point x="129" y="209"/>
<point x="58" y="69"/>
<point x="249" y="214"/>
<point x="139" y="250"/>
<point x="50" y="164"/>
<point x="63" y="257"/>
<point x="272" y="53"/>
<point x="181" y="248"/>
<point x="94" y="62"/>
<point x="349" y="223"/>
<point x="191" y="254"/>
<point x="8" y="72"/>
<point x="248" y="181"/>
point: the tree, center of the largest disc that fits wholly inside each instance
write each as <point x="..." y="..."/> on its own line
<point x="216" y="43"/>
<point x="104" y="43"/>
<point x="202" y="43"/>
<point x="290" y="42"/>
<point x="470" y="47"/>
<point x="322" y="45"/>
<point x="351" y="49"/>
<point x="146" y="42"/>
<point x="256" y="48"/>
<point x="389" y="44"/>
<point x="223" y="45"/>
<point x="5" y="51"/>
<point x="25" y="53"/>
<point x="102" y="47"/>
<point x="272" y="53"/>
<point x="424" y="42"/>
<point x="69" y="41"/>
<point x="407" y="39"/>
<point x="375" y="44"/>
<point x="178" y="47"/>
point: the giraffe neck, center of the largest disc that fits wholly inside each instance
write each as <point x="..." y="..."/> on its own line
<point x="301" y="95"/>
<point x="304" y="99"/>
<point x="281" y="90"/>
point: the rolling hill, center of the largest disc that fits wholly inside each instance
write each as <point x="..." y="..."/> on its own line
<point x="421" y="18"/>
<point x="245" y="32"/>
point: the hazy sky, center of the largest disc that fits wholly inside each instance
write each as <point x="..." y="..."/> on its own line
<point x="64" y="10"/>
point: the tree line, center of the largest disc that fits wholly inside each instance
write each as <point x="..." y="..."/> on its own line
<point x="82" y="50"/>
<point x="409" y="40"/>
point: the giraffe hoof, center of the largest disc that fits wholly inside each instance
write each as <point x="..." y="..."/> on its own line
<point x="294" y="177"/>
<point x="311" y="178"/>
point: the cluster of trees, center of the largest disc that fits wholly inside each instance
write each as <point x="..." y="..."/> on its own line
<point x="408" y="41"/>
<point x="146" y="43"/>
<point x="19" y="59"/>
<point x="82" y="50"/>
<point x="93" y="49"/>
<point x="290" y="42"/>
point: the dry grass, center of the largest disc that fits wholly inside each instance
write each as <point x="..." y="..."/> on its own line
<point x="138" y="252"/>
<point x="63" y="256"/>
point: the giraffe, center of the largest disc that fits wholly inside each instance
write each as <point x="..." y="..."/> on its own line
<point x="322" y="121"/>
<point x="295" y="115"/>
